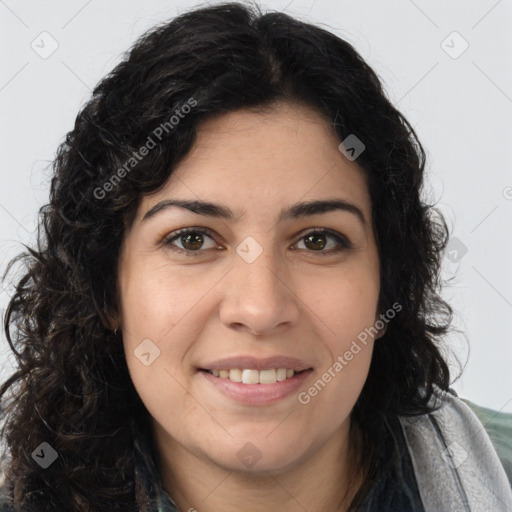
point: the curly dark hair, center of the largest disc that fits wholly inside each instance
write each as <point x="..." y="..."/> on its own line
<point x="71" y="386"/>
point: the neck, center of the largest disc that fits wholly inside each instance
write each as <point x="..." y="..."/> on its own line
<point x="325" y="479"/>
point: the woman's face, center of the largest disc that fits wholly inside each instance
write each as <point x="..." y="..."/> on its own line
<point x="250" y="280"/>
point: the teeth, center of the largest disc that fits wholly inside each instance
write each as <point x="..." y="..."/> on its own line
<point x="248" y="376"/>
<point x="282" y="374"/>
<point x="235" y="375"/>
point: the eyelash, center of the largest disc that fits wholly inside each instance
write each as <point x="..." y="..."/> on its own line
<point x="342" y="241"/>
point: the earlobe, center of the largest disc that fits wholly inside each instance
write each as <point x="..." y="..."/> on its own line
<point x="111" y="321"/>
<point x="382" y="330"/>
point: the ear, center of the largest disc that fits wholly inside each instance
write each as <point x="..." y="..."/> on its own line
<point x="111" y="320"/>
<point x="381" y="326"/>
<point x="382" y="332"/>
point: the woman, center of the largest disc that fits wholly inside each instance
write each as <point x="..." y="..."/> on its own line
<point x="234" y="300"/>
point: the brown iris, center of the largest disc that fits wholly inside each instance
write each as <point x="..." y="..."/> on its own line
<point x="317" y="241"/>
<point x="194" y="239"/>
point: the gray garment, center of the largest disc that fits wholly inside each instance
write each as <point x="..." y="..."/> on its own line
<point x="455" y="463"/>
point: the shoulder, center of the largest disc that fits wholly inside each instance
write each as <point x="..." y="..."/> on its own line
<point x="498" y="426"/>
<point x="454" y="460"/>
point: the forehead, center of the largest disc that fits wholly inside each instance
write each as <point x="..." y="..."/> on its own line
<point x="264" y="160"/>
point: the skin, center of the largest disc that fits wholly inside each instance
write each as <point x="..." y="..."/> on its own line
<point x="292" y="300"/>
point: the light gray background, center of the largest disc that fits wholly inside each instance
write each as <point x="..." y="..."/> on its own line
<point x="460" y="107"/>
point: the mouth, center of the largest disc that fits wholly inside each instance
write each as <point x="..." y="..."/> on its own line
<point x="253" y="376"/>
<point x="255" y="387"/>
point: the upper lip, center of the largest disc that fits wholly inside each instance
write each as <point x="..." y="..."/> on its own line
<point x="253" y="363"/>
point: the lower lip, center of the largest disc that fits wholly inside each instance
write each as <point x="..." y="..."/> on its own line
<point x="258" y="394"/>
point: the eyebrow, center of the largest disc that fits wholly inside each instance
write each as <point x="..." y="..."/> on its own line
<point x="296" y="211"/>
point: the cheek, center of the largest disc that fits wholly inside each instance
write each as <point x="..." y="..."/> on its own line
<point x="346" y="315"/>
<point x="346" y="306"/>
<point x="153" y="314"/>
<point x="157" y="299"/>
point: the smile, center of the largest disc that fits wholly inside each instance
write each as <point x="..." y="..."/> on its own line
<point x="251" y="376"/>
<point x="256" y="387"/>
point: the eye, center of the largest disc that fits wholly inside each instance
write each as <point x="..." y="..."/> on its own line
<point x="316" y="240"/>
<point x="191" y="240"/>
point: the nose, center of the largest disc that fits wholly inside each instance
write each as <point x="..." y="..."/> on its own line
<point x="258" y="297"/>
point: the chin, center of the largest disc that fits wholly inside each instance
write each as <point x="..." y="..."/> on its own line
<point x="258" y="455"/>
